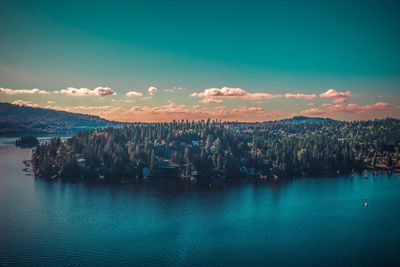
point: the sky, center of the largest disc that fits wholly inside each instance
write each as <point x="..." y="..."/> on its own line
<point x="230" y="60"/>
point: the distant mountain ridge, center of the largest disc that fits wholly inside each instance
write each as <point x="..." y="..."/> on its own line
<point x="303" y="119"/>
<point x="16" y="119"/>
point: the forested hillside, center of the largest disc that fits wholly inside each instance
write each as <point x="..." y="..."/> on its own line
<point x="222" y="150"/>
<point x="22" y="120"/>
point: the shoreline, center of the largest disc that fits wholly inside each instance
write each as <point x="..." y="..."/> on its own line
<point x="217" y="181"/>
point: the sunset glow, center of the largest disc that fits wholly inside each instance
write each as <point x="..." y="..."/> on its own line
<point x="130" y="68"/>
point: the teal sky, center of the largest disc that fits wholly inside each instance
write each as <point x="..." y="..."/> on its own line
<point x="261" y="46"/>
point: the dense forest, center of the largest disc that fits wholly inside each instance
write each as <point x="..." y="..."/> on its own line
<point x="27" y="141"/>
<point x="215" y="150"/>
<point x="16" y="119"/>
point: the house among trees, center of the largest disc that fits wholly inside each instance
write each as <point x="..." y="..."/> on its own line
<point x="212" y="150"/>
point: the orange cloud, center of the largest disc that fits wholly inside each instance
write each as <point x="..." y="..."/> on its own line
<point x="212" y="101"/>
<point x="313" y="112"/>
<point x="330" y="109"/>
<point x="174" y="111"/>
<point x="340" y="100"/>
<point x="360" y="109"/>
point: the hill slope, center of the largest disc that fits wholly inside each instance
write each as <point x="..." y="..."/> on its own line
<point x="19" y="119"/>
<point x="303" y="119"/>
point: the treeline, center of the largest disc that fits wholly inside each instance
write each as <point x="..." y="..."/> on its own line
<point x="211" y="149"/>
<point x="27" y="141"/>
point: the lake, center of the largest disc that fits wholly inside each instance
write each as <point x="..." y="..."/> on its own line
<point x="298" y="222"/>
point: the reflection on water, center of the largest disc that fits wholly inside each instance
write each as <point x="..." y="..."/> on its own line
<point x="301" y="222"/>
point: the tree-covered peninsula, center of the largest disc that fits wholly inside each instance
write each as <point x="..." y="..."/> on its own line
<point x="215" y="150"/>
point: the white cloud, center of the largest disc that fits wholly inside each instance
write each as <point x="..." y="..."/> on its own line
<point x="134" y="94"/>
<point x="24" y="103"/>
<point x="22" y="91"/>
<point x="332" y="93"/>
<point x="234" y="93"/>
<point x="173" y="89"/>
<point x="301" y="96"/>
<point x="98" y="91"/>
<point x="152" y="90"/>
<point x="221" y="92"/>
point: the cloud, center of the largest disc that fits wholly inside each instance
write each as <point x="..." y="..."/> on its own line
<point x="152" y="90"/>
<point x="223" y="92"/>
<point x="332" y="93"/>
<point x="98" y="91"/>
<point x="356" y="108"/>
<point x="22" y="91"/>
<point x="24" y="103"/>
<point x="95" y="110"/>
<point x="221" y="110"/>
<point x="173" y="89"/>
<point x="340" y="100"/>
<point x="365" y="108"/>
<point x="174" y="111"/>
<point x="260" y="96"/>
<point x="212" y="101"/>
<point x="134" y="94"/>
<point x="330" y="109"/>
<point x="90" y="108"/>
<point x="233" y="93"/>
<point x="301" y="96"/>
<point x="313" y="112"/>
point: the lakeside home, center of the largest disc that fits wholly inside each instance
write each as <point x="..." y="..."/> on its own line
<point x="213" y="150"/>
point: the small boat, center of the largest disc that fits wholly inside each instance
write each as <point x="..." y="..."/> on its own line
<point x="366" y="204"/>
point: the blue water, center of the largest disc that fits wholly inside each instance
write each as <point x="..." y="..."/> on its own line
<point x="301" y="222"/>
